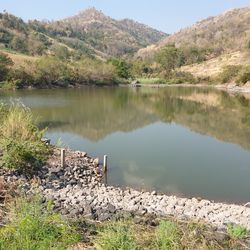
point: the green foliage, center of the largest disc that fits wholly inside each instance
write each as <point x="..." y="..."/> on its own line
<point x="20" y="139"/>
<point x="19" y="43"/>
<point x="49" y="70"/>
<point x="190" y="55"/>
<point x="168" y="58"/>
<point x="32" y="225"/>
<point x="116" y="235"/>
<point x="235" y="73"/>
<point x="5" y="63"/>
<point x="178" y="77"/>
<point x="141" y="68"/>
<point x="237" y="231"/>
<point x="168" y="236"/>
<point x="122" y="68"/>
<point x="61" y="52"/>
<point x="229" y="73"/>
<point x="243" y="75"/>
<point x="152" y="80"/>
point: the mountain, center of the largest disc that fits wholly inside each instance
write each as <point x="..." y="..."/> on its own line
<point x="89" y="32"/>
<point x="104" y="34"/>
<point x="227" y="32"/>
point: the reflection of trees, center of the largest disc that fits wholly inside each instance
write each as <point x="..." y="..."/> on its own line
<point x="227" y="121"/>
<point x="96" y="112"/>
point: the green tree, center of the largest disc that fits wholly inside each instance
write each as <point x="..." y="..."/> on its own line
<point x="61" y="52"/>
<point x="5" y="63"/>
<point x="168" y="58"/>
<point x="122" y="68"/>
<point x="19" y="43"/>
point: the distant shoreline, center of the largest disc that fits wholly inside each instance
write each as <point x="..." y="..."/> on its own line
<point x="231" y="88"/>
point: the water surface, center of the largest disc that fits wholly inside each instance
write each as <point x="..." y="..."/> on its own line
<point x="183" y="141"/>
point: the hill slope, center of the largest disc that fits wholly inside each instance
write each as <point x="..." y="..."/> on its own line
<point x="89" y="32"/>
<point x="227" y="32"/>
<point x="105" y="34"/>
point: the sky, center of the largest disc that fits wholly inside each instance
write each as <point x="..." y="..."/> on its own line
<point x="165" y="15"/>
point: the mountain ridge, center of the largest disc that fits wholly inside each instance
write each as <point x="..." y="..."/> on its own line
<point x="227" y="32"/>
<point x="88" y="32"/>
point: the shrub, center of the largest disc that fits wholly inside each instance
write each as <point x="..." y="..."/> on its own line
<point x="178" y="77"/>
<point x="237" y="231"/>
<point x="32" y="225"/>
<point x="243" y="75"/>
<point x="5" y="63"/>
<point x="20" y="139"/>
<point x="229" y="73"/>
<point x="116" y="235"/>
<point x="167" y="236"/>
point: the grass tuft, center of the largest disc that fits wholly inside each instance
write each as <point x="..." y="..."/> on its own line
<point x="33" y="226"/>
<point x="20" y="139"/>
<point x="116" y="235"/>
<point x="168" y="236"/>
<point x="237" y="231"/>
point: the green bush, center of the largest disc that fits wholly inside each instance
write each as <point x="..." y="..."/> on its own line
<point x="237" y="231"/>
<point x="20" y="139"/>
<point x="116" y="235"/>
<point x="178" y="77"/>
<point x="229" y="73"/>
<point x="167" y="236"/>
<point x="31" y="225"/>
<point x="243" y="75"/>
<point x="5" y="63"/>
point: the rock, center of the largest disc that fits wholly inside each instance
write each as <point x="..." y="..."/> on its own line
<point x="218" y="236"/>
<point x="96" y="162"/>
<point x="138" y="220"/>
<point x="104" y="216"/>
<point x="154" y="193"/>
<point x="247" y="205"/>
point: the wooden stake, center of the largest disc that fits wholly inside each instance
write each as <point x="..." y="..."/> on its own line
<point x="62" y="158"/>
<point x="105" y="163"/>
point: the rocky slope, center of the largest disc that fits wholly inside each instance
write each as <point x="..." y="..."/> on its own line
<point x="77" y="190"/>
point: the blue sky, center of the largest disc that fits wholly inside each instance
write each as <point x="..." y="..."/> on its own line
<point x="165" y="15"/>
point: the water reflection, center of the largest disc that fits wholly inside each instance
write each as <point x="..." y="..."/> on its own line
<point x="187" y="141"/>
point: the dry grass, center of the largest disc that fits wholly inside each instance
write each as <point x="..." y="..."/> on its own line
<point x="19" y="59"/>
<point x="7" y="192"/>
<point x="215" y="66"/>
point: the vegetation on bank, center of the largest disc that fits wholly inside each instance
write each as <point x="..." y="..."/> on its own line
<point x="68" y="53"/>
<point x="20" y="139"/>
<point x="31" y="223"/>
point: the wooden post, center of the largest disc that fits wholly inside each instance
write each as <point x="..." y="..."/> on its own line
<point x="105" y="163"/>
<point x="62" y="158"/>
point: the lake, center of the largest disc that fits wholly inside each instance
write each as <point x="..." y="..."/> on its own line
<point x="192" y="142"/>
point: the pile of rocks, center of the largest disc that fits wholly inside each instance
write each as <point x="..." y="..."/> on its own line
<point x="77" y="189"/>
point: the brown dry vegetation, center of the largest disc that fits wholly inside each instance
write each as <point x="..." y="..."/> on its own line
<point x="227" y="32"/>
<point x="215" y="66"/>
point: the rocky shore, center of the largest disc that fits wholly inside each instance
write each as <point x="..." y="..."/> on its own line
<point x="77" y="189"/>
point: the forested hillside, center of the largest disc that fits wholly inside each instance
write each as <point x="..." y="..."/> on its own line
<point x="88" y="33"/>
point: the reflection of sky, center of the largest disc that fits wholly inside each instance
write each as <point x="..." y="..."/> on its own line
<point x="172" y="159"/>
<point x="150" y="154"/>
